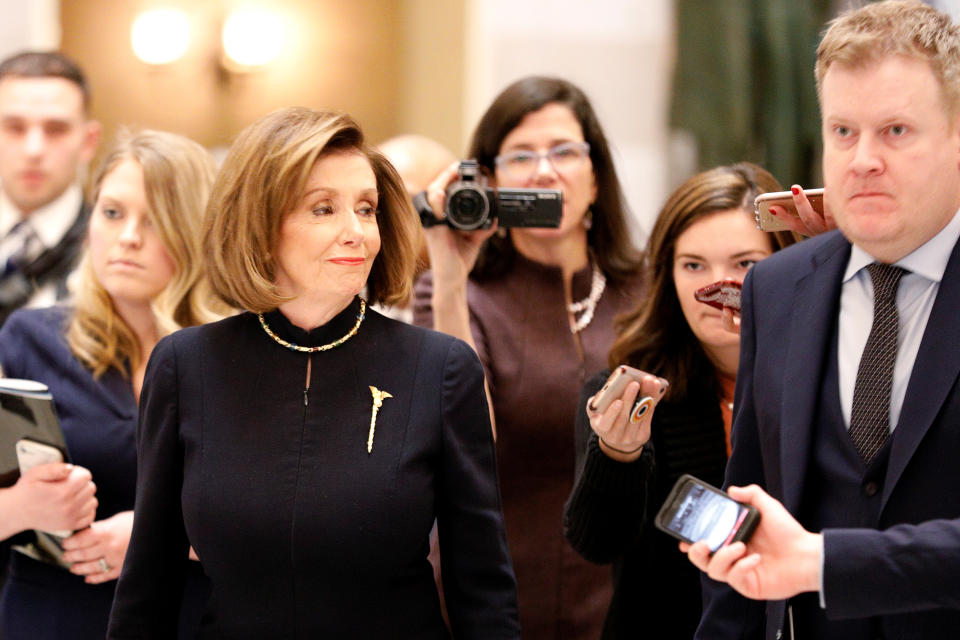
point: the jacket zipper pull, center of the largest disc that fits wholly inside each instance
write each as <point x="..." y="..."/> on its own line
<point x="306" y="386"/>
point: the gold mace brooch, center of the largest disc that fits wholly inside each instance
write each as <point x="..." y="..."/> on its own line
<point x="378" y="398"/>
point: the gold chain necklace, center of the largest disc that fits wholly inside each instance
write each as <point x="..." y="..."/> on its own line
<point x="323" y="347"/>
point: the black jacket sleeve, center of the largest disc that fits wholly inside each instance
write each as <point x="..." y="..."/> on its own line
<point x="479" y="586"/>
<point x="151" y="584"/>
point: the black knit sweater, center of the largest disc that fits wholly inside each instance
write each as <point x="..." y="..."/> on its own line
<point x="609" y="515"/>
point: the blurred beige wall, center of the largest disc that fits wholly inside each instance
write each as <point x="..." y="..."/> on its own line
<point x="434" y="68"/>
<point x="374" y="59"/>
<point x="398" y="66"/>
<point x="28" y="25"/>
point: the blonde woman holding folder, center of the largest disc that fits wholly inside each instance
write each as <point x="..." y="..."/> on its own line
<point x="138" y="280"/>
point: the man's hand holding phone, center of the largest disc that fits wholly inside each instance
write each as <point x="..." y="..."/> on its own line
<point x="781" y="559"/>
<point x="621" y="412"/>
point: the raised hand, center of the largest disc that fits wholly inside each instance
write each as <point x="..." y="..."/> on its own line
<point x="623" y="428"/>
<point x="810" y="222"/>
<point x="452" y="252"/>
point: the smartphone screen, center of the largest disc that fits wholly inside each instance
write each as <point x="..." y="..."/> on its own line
<point x="696" y="511"/>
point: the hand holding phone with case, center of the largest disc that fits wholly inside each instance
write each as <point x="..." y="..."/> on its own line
<point x="720" y="295"/>
<point x="615" y="386"/>
<point x="624" y="432"/>
<point x="766" y="221"/>
<point x="696" y="511"/>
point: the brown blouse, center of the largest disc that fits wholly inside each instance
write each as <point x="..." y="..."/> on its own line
<point x="534" y="369"/>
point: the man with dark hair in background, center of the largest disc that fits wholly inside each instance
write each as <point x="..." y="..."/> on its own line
<point x="46" y="141"/>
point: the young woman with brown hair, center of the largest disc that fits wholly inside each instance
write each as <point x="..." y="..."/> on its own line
<point x="704" y="233"/>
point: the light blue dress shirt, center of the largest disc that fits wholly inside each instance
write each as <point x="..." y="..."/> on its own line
<point x="915" y="298"/>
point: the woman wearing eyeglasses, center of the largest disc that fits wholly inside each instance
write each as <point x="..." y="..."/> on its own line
<point x="538" y="306"/>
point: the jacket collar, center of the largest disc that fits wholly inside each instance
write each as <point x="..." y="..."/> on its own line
<point x="934" y="374"/>
<point x="816" y="296"/>
<point x="935" y="371"/>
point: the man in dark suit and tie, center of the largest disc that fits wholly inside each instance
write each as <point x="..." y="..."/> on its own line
<point x="847" y="418"/>
<point x="46" y="141"/>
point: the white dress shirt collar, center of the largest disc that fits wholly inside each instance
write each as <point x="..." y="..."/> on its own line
<point x="928" y="260"/>
<point x="50" y="222"/>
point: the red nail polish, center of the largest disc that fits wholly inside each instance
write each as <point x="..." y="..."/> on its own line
<point x="794" y="190"/>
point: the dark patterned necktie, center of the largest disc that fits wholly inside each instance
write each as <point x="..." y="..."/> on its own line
<point x="870" y="418"/>
<point x="21" y="245"/>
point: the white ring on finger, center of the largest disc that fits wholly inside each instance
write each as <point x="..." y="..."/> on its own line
<point x="104" y="566"/>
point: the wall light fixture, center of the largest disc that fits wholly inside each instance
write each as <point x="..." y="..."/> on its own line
<point x="251" y="38"/>
<point x="160" y="36"/>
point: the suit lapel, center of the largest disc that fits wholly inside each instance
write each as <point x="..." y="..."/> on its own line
<point x="815" y="302"/>
<point x="934" y="373"/>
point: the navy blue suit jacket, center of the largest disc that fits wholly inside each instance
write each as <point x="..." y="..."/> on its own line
<point x="907" y="569"/>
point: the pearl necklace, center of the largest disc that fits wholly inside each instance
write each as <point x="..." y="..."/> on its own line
<point x="323" y="347"/>
<point x="589" y="304"/>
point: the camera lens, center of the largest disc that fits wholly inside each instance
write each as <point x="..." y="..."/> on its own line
<point x="468" y="205"/>
<point x="467" y="208"/>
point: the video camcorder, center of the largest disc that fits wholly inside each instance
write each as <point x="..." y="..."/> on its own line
<point x="472" y="205"/>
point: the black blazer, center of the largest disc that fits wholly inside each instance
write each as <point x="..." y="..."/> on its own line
<point x="907" y="569"/>
<point x="302" y="532"/>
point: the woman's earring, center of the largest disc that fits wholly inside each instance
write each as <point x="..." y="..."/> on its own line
<point x="588" y="220"/>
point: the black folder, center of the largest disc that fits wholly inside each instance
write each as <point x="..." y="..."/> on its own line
<point x="27" y="413"/>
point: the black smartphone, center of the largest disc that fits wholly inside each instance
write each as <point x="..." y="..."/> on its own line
<point x="696" y="511"/>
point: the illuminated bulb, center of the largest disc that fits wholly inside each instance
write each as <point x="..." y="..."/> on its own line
<point x="160" y="36"/>
<point x="252" y="37"/>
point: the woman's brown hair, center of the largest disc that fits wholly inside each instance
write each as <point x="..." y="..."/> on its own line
<point x="655" y="337"/>
<point x="262" y="179"/>
<point x="609" y="236"/>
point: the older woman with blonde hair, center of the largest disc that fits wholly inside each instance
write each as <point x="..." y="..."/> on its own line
<point x="305" y="447"/>
<point x="139" y="280"/>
